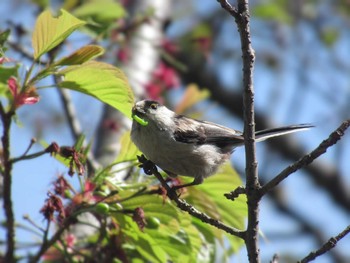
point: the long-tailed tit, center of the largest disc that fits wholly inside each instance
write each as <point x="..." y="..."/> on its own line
<point x="183" y="146"/>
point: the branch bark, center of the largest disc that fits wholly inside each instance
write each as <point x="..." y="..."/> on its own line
<point x="6" y="118"/>
<point x="331" y="243"/>
<point x="242" y="18"/>
<point x="333" y="138"/>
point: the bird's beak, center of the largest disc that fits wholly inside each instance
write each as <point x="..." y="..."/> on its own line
<point x="137" y="110"/>
<point x="137" y="113"/>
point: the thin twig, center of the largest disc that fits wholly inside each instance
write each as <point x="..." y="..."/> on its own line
<point x="235" y="193"/>
<point x="333" y="138"/>
<point x="229" y="8"/>
<point x="331" y="243"/>
<point x="28" y="157"/>
<point x="51" y="241"/>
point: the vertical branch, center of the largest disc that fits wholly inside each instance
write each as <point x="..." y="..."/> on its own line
<point x="252" y="182"/>
<point x="242" y="18"/>
<point x="10" y="219"/>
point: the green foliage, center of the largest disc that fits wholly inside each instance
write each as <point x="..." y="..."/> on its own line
<point x="209" y="198"/>
<point x="5" y="74"/>
<point x="128" y="151"/>
<point x="101" y="11"/>
<point x="167" y="230"/>
<point x="4" y="36"/>
<point x="102" y="81"/>
<point x="49" y="31"/>
<point x="81" y="56"/>
<point x="100" y="14"/>
<point x="329" y="36"/>
<point x="273" y="10"/>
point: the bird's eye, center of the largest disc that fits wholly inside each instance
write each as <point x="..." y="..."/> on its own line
<point x="154" y="106"/>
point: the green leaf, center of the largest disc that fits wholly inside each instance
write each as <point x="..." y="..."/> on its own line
<point x="101" y="10"/>
<point x="49" y="31"/>
<point x="7" y="72"/>
<point x="81" y="56"/>
<point x="128" y="150"/>
<point x="329" y="36"/>
<point x="209" y="198"/>
<point x="102" y="81"/>
<point x="273" y="11"/>
<point x="154" y="206"/>
<point x="4" y="36"/>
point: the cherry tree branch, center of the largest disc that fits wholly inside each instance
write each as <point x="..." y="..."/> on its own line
<point x="6" y="118"/>
<point x="242" y="18"/>
<point x="333" y="138"/>
<point x="331" y="243"/>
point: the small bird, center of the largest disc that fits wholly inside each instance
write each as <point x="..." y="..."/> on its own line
<point x="180" y="145"/>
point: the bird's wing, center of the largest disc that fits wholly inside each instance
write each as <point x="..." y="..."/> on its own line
<point x="200" y="132"/>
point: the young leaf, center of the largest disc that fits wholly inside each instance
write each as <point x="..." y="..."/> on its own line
<point x="102" y="81"/>
<point x="49" y="31"/>
<point x="81" y="56"/>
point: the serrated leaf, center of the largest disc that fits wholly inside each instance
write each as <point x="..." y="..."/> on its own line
<point x="102" y="81"/>
<point x="49" y="31"/>
<point x="81" y="55"/>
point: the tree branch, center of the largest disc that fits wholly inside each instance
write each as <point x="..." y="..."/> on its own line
<point x="333" y="138"/>
<point x="242" y="19"/>
<point x="229" y="8"/>
<point x="6" y="118"/>
<point x="331" y="243"/>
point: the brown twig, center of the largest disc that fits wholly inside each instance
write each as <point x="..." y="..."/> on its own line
<point x="6" y="118"/>
<point x="50" y="242"/>
<point x="331" y="243"/>
<point x="333" y="138"/>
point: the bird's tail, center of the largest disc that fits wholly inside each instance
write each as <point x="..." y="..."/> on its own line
<point x="269" y="133"/>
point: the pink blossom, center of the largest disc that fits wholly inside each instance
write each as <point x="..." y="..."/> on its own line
<point x="4" y="60"/>
<point x="123" y="54"/>
<point x="166" y="75"/>
<point x="170" y="46"/>
<point x="29" y="96"/>
<point x="153" y="90"/>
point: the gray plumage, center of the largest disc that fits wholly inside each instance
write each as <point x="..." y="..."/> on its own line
<point x="183" y="146"/>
